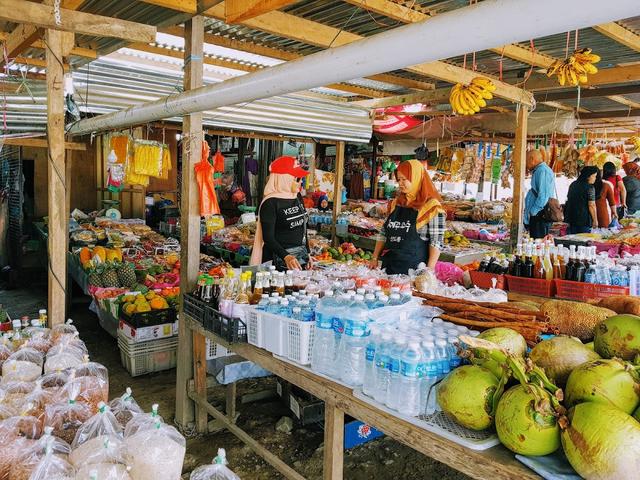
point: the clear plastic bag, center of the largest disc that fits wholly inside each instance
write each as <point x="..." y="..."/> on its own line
<point x="39" y="338"/>
<point x="9" y="453"/>
<point x="62" y="330"/>
<point x="155" y="451"/>
<point x="23" y="365"/>
<point x="218" y="470"/>
<point x="40" y="398"/>
<point x="13" y="394"/>
<point x="69" y="357"/>
<point x="53" y="467"/>
<point x="67" y="417"/>
<point x="99" y="440"/>
<point x="69" y="343"/>
<point x="29" y="458"/>
<point x="5" y="352"/>
<point x="21" y="425"/>
<point x="142" y="421"/>
<point x="103" y="471"/>
<point x="91" y="390"/>
<point x="125" y="407"/>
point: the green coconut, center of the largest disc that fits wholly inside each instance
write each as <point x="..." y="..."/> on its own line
<point x="601" y="442"/>
<point x="466" y="395"/>
<point x="618" y="336"/>
<point x="559" y="355"/>
<point x="610" y="382"/>
<point x="505" y="338"/>
<point x="526" y="422"/>
<point x="636" y="414"/>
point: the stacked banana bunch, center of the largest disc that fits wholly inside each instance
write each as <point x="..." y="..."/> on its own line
<point x="574" y="69"/>
<point x="469" y="99"/>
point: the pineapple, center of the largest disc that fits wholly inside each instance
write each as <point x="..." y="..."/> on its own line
<point x="110" y="277"/>
<point x="94" y="277"/>
<point x="126" y="274"/>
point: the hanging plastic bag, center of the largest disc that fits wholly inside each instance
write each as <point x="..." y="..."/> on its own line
<point x="204" y="176"/>
<point x="218" y="161"/>
<point x="99" y="440"/>
<point x="155" y="451"/>
<point x="142" y="421"/>
<point x="67" y="417"/>
<point x="24" y="365"/>
<point x="218" y="470"/>
<point x="29" y="458"/>
<point x="53" y="467"/>
<point x="125" y="407"/>
<point x="166" y="163"/>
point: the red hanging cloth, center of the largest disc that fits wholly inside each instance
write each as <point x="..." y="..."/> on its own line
<point x="204" y="176"/>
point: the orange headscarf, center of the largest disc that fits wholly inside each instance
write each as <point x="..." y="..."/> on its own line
<point x="632" y="169"/>
<point x="423" y="195"/>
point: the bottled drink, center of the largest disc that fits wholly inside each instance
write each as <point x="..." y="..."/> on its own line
<point x="547" y="265"/>
<point x="280" y="283"/>
<point x="288" y="283"/>
<point x="241" y="302"/>
<point x="342" y="305"/>
<point x="266" y="283"/>
<point x="263" y="303"/>
<point x="324" y="344"/>
<point x="395" y="356"/>
<point x="284" y="309"/>
<point x="527" y="268"/>
<point x="633" y="280"/>
<point x="452" y="348"/>
<point x="296" y="313"/>
<point x="517" y="262"/>
<point x="590" y="274"/>
<point x="394" y="300"/>
<point x="442" y="357"/>
<point x="368" y="384"/>
<point x="382" y="372"/>
<point x="273" y="306"/>
<point x="225" y="305"/>
<point x="579" y="268"/>
<point x="353" y="344"/>
<point x="429" y="367"/>
<point x="257" y="290"/>
<point x="370" y="301"/>
<point x="306" y="311"/>
<point x="410" y="391"/>
<point x="484" y="264"/>
<point x="571" y="264"/>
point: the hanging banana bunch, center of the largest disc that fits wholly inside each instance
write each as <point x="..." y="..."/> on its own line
<point x="636" y="142"/>
<point x="574" y="70"/>
<point x="469" y="99"/>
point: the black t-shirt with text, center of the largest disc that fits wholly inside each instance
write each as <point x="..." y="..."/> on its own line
<point x="283" y="226"/>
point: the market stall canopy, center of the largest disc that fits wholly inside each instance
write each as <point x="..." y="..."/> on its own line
<point x="444" y="127"/>
<point x="110" y="86"/>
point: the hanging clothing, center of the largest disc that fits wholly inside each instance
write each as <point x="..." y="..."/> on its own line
<point x="204" y="176"/>
<point x="250" y="178"/>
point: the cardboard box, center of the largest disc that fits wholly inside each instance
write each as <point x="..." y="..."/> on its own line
<point x="144" y="334"/>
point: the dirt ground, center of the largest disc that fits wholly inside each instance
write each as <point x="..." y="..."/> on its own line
<point x="302" y="448"/>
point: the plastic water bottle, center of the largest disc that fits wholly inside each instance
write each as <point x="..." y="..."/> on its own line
<point x="395" y="357"/>
<point x="338" y="321"/>
<point x="394" y="300"/>
<point x="296" y="313"/>
<point x="368" y="385"/>
<point x="273" y="306"/>
<point x="306" y="311"/>
<point x="410" y="391"/>
<point x="442" y="356"/>
<point x="323" y="356"/>
<point x="354" y="343"/>
<point x="381" y="361"/>
<point x="429" y="373"/>
<point x="263" y="303"/>
<point x="370" y="301"/>
<point x="454" y="360"/>
<point x="284" y="310"/>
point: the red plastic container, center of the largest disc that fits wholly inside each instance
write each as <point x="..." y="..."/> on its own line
<point x="586" y="291"/>
<point x="635" y="250"/>
<point x="484" y="279"/>
<point x="531" y="286"/>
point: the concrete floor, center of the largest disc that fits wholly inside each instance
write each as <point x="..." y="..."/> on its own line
<point x="302" y="448"/>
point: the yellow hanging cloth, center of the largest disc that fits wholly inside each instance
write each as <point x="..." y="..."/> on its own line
<point x="166" y="162"/>
<point x="147" y="158"/>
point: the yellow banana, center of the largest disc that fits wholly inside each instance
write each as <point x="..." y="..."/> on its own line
<point x="578" y="68"/>
<point x="481" y="103"/>
<point x="463" y="102"/>
<point x="583" y="79"/>
<point x="484" y="83"/>
<point x="475" y="90"/>
<point x="469" y="98"/>
<point x="593" y="58"/>
<point x="554" y="68"/>
<point x="571" y="75"/>
<point x="561" y="75"/>
<point x="589" y="68"/>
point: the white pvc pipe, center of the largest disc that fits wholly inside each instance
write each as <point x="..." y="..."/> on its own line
<point x="485" y="25"/>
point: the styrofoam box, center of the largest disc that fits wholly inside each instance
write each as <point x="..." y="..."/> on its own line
<point x="144" y="334"/>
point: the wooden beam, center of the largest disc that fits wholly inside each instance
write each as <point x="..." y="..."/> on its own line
<point x="605" y="76"/>
<point x="56" y="174"/>
<point x="431" y="97"/>
<point x="40" y="143"/>
<point x="337" y="188"/>
<point x="620" y="34"/>
<point x="333" y="441"/>
<point x="519" y="170"/>
<point x="190" y="215"/>
<point x="236" y="11"/>
<point x="314" y="33"/>
<point x="631" y="112"/>
<point x="525" y="55"/>
<point x="200" y="378"/>
<point x="257" y="49"/>
<point x="38" y="15"/>
<point x="587" y="93"/>
<point x="624" y="101"/>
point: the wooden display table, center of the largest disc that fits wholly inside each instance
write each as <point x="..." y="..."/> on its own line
<point x="495" y="463"/>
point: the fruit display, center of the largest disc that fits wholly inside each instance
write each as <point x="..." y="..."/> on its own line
<point x="469" y="99"/>
<point x="455" y="239"/>
<point x="576" y="68"/>
<point x="346" y="252"/>
<point x="150" y="301"/>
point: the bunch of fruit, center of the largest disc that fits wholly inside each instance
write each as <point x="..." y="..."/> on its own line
<point x="574" y="69"/>
<point x="143" y="303"/>
<point x="113" y="274"/>
<point x="92" y="257"/>
<point x="469" y="99"/>
<point x="635" y="140"/>
<point x="344" y="253"/>
<point x="455" y="239"/>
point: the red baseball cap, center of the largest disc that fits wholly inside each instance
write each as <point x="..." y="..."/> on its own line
<point x="288" y="165"/>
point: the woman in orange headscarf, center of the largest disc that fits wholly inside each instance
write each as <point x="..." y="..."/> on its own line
<point x="414" y="230"/>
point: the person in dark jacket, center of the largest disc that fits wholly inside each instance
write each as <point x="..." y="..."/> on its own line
<point x="632" y="185"/>
<point x="580" y="209"/>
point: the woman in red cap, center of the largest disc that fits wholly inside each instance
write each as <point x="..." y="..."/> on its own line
<point x="281" y="232"/>
<point x="414" y="230"/>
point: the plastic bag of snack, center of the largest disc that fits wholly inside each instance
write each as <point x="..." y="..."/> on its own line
<point x="38" y="338"/>
<point x="23" y="365"/>
<point x="70" y="343"/>
<point x="21" y="425"/>
<point x="156" y="450"/>
<point x="143" y="420"/>
<point x="218" y="470"/>
<point x="5" y="352"/>
<point x="9" y="453"/>
<point x="30" y="457"/>
<point x="67" y="417"/>
<point x="63" y="360"/>
<point x="13" y="394"/>
<point x="53" y="467"/>
<point x="54" y="381"/>
<point x="59" y="331"/>
<point x="91" y="389"/>
<point x="99" y="440"/>
<point x="125" y="407"/>
<point x="103" y="471"/>
<point x="40" y="397"/>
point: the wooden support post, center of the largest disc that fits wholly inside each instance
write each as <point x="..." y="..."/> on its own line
<point x="200" y="378"/>
<point x="333" y="441"/>
<point x="519" y="167"/>
<point x="190" y="215"/>
<point x="58" y="224"/>
<point x="337" y="189"/>
<point x="312" y="169"/>
<point x="230" y="401"/>
<point x="374" y="169"/>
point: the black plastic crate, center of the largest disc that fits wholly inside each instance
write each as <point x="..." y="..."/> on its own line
<point x="150" y="318"/>
<point x="194" y="307"/>
<point x="232" y="329"/>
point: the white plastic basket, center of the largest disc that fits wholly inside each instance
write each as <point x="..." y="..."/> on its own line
<point x="255" y="328"/>
<point x="147" y="357"/>
<point x="215" y="350"/>
<point x="299" y="340"/>
<point x="268" y="331"/>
